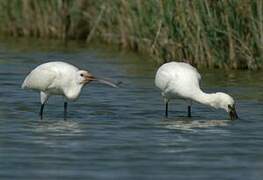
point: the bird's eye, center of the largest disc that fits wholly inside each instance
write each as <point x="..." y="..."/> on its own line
<point x="81" y="75"/>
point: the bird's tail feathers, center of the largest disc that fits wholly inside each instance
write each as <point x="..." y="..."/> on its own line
<point x="25" y="84"/>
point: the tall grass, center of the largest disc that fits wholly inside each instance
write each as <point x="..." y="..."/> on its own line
<point x="221" y="34"/>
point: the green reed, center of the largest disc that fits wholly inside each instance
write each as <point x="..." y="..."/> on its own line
<point x="215" y="34"/>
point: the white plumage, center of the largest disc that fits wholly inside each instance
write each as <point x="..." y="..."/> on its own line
<point x="178" y="79"/>
<point x="58" y="78"/>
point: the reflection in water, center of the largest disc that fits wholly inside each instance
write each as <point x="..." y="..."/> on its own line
<point x="53" y="133"/>
<point x="69" y="127"/>
<point x="192" y="125"/>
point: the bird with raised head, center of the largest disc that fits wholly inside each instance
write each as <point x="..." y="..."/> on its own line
<point x="59" y="78"/>
<point x="179" y="79"/>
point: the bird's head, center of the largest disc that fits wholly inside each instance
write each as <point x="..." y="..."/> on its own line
<point x="84" y="77"/>
<point x="227" y="103"/>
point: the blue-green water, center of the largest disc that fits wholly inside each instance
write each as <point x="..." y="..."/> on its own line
<point x="121" y="133"/>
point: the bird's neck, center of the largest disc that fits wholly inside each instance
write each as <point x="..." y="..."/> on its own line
<point x="209" y="99"/>
<point x="72" y="93"/>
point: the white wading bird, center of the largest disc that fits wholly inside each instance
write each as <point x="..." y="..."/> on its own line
<point x="59" y="78"/>
<point x="178" y="79"/>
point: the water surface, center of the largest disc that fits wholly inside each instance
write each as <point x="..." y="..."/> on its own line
<point x="121" y="133"/>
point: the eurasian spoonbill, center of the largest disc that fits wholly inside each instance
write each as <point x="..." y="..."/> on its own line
<point x="179" y="79"/>
<point x="59" y="78"/>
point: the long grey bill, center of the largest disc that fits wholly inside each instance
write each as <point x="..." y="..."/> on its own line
<point x="107" y="82"/>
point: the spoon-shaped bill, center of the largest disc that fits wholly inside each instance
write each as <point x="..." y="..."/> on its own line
<point x="100" y="80"/>
<point x="232" y="112"/>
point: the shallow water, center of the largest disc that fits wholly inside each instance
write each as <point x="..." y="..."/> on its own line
<point x="121" y="133"/>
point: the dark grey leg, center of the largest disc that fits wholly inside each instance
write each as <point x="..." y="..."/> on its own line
<point x="65" y="110"/>
<point x="166" y="109"/>
<point x="189" y="111"/>
<point x="41" y="111"/>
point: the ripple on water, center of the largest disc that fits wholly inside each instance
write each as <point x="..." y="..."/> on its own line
<point x="59" y="127"/>
<point x="51" y="133"/>
<point x="193" y="125"/>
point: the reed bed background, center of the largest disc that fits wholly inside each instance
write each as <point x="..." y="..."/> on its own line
<point x="208" y="33"/>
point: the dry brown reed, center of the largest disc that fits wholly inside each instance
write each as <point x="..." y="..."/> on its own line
<point x="215" y="34"/>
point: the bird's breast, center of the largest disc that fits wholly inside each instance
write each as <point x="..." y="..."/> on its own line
<point x="72" y="93"/>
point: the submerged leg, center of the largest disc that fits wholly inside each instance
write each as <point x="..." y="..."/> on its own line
<point x="166" y="109"/>
<point x="65" y="110"/>
<point x="41" y="111"/>
<point x="166" y="101"/>
<point x="43" y="100"/>
<point x="189" y="111"/>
